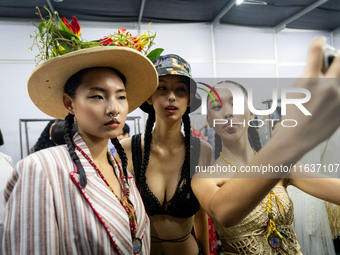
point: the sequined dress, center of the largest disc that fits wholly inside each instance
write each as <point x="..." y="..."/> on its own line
<point x="248" y="237"/>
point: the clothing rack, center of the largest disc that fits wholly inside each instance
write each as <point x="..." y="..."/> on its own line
<point x="24" y="122"/>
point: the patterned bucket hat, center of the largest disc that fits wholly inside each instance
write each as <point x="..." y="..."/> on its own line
<point x="172" y="64"/>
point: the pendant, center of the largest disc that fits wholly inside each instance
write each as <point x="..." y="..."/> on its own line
<point x="274" y="241"/>
<point x="136" y="245"/>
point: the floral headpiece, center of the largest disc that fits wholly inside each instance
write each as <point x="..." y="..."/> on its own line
<point x="57" y="38"/>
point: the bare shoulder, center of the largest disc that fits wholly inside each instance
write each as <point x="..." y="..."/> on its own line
<point x="205" y="147"/>
<point x="126" y="144"/>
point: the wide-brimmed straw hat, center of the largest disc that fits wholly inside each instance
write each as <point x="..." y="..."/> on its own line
<point x="47" y="81"/>
<point x="172" y="64"/>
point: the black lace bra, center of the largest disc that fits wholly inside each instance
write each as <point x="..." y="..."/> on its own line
<point x="183" y="204"/>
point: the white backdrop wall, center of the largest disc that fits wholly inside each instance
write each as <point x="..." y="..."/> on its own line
<point x="220" y="52"/>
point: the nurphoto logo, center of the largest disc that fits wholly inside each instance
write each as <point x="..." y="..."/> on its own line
<point x="239" y="102"/>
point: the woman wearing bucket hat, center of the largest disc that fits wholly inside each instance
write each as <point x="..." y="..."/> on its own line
<point x="251" y="210"/>
<point x="76" y="198"/>
<point x="160" y="161"/>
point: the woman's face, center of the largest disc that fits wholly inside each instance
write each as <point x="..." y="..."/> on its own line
<point x="171" y="98"/>
<point x="101" y="93"/>
<point x="229" y="130"/>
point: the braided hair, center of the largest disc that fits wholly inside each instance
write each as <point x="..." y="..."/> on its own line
<point x="70" y="146"/>
<point x="254" y="138"/>
<point x="122" y="155"/>
<point x="70" y="88"/>
<point x="58" y="131"/>
<point x="147" y="145"/>
<point x="187" y="141"/>
<point x="218" y="146"/>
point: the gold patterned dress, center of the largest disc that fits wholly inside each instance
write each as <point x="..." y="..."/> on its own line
<point x="249" y="236"/>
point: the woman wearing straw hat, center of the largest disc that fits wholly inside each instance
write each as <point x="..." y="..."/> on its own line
<point x="160" y="162"/>
<point x="76" y="198"/>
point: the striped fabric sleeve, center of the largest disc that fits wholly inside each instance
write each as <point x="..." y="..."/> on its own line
<point x="30" y="222"/>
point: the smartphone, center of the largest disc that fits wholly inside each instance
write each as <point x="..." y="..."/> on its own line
<point x="329" y="54"/>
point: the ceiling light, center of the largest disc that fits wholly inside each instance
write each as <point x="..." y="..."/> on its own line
<point x="255" y="2"/>
<point x="238" y="2"/>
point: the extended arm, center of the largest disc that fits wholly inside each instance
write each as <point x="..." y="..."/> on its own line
<point x="229" y="200"/>
<point x="325" y="188"/>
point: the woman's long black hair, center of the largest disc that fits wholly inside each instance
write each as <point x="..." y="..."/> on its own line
<point x="44" y="140"/>
<point x="70" y="88"/>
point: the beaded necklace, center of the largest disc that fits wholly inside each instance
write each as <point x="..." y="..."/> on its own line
<point x="125" y="202"/>
<point x="226" y="160"/>
<point x="273" y="233"/>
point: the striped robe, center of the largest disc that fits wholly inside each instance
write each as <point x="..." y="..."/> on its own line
<point x="49" y="213"/>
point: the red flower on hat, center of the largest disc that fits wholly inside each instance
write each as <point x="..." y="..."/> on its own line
<point x="106" y="40"/>
<point x="74" y="26"/>
<point x="122" y="38"/>
<point x="122" y="30"/>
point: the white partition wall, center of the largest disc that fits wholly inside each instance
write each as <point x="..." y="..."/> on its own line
<point x="219" y="52"/>
<point x="244" y="52"/>
<point x="292" y="50"/>
<point x="336" y="38"/>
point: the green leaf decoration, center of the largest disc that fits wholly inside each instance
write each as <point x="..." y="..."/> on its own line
<point x="66" y="46"/>
<point x="41" y="30"/>
<point x="154" y="54"/>
<point x="68" y="35"/>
